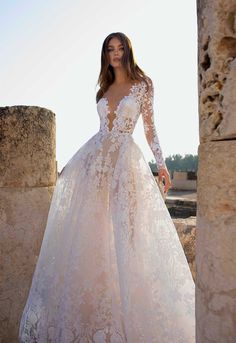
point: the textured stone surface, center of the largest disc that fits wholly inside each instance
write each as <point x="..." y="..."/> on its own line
<point x="27" y="179"/>
<point x="181" y="208"/>
<point x="27" y="153"/>
<point x="216" y="192"/>
<point x="217" y="69"/>
<point x="23" y="214"/>
<point x="216" y="243"/>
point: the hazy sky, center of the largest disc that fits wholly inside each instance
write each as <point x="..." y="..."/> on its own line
<point x="50" y="57"/>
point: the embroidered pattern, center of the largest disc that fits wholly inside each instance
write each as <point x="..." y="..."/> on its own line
<point x="111" y="268"/>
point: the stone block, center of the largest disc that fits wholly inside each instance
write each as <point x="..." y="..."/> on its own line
<point x="23" y="217"/>
<point x="27" y="152"/>
<point x="216" y="243"/>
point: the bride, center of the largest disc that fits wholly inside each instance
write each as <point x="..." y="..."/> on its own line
<point x="111" y="268"/>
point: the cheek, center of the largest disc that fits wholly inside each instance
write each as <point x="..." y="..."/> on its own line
<point x="110" y="54"/>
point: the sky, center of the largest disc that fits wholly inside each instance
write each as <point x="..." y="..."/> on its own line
<point x="50" y="57"/>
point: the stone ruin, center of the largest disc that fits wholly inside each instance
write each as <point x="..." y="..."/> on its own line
<point x="216" y="189"/>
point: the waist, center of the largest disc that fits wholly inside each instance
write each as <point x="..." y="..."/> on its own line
<point x="116" y="133"/>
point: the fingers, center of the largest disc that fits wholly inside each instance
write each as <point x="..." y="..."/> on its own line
<point x="167" y="182"/>
<point x="165" y="173"/>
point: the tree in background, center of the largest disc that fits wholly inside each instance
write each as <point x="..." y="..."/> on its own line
<point x="178" y="163"/>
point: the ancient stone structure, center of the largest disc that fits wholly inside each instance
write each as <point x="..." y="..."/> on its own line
<point x="216" y="189"/>
<point x="182" y="181"/>
<point x="28" y="174"/>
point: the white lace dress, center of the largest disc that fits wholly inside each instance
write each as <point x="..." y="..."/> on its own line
<point x="111" y="268"/>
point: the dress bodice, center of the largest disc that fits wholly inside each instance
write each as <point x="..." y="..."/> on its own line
<point x="139" y="101"/>
<point x="126" y="112"/>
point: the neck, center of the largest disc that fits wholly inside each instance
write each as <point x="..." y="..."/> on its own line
<point x="120" y="76"/>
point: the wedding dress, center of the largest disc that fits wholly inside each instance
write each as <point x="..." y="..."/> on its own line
<point x="111" y="268"/>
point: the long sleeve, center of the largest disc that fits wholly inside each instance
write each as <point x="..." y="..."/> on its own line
<point x="147" y="113"/>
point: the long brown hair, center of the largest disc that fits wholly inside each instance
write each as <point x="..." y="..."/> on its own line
<point x="106" y="75"/>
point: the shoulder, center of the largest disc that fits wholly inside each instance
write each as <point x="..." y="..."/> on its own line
<point x="148" y="79"/>
<point x="148" y="84"/>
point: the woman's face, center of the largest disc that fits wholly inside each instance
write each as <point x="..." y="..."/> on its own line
<point x="115" y="52"/>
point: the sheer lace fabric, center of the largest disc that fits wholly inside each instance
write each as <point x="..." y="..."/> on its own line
<point x="111" y="268"/>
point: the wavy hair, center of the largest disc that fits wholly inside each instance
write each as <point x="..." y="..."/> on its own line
<point x="106" y="75"/>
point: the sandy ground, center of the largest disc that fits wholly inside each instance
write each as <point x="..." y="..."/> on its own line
<point x="182" y="195"/>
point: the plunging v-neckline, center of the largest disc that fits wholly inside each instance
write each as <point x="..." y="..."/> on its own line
<point x="117" y="106"/>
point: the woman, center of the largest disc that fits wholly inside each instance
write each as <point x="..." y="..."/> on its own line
<point x="111" y="267"/>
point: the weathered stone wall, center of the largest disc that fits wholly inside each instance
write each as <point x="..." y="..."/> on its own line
<point x="180" y="181"/>
<point x="216" y="186"/>
<point x="27" y="177"/>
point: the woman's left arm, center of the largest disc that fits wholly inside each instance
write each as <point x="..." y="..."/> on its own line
<point x="147" y="113"/>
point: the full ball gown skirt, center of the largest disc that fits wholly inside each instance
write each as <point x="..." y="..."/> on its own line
<point x="111" y="268"/>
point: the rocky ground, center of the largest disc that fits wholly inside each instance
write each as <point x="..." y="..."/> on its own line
<point x="182" y="207"/>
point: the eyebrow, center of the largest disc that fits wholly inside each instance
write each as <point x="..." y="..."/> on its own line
<point x="110" y="45"/>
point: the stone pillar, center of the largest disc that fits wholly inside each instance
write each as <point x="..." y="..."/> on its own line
<point x="28" y="175"/>
<point x="216" y="185"/>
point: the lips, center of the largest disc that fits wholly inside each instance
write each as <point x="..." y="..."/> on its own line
<point x="116" y="59"/>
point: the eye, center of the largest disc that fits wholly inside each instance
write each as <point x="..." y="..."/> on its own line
<point x="111" y="49"/>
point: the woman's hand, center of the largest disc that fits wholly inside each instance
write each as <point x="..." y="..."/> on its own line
<point x="163" y="172"/>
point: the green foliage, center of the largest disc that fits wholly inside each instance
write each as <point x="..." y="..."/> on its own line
<point x="188" y="162"/>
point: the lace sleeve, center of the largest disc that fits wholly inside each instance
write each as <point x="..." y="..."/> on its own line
<point x="147" y="113"/>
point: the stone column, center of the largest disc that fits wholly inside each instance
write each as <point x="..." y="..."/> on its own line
<point x="28" y="175"/>
<point x="216" y="186"/>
